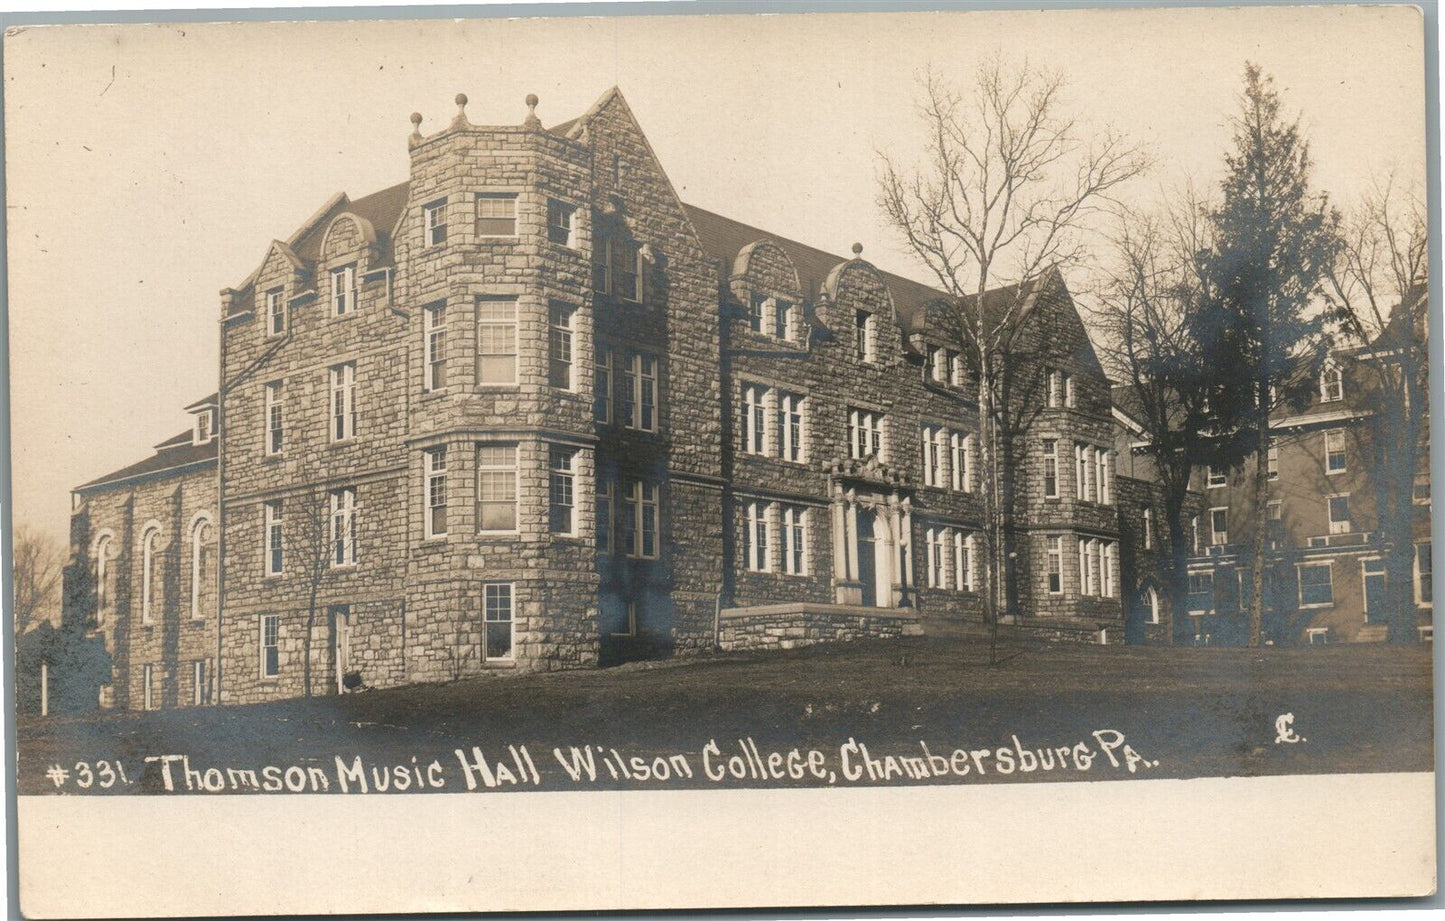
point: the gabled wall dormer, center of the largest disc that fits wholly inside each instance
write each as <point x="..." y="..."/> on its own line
<point x="205" y="420"/>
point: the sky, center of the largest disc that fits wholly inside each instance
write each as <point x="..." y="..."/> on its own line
<point x="148" y="166"/>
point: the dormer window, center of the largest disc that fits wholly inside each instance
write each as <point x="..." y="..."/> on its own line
<point x="343" y="290"/>
<point x="275" y="311"/>
<point x="205" y="426"/>
<point x="435" y="222"/>
<point x="1332" y="384"/>
<point x="783" y="319"/>
<point x="865" y="347"/>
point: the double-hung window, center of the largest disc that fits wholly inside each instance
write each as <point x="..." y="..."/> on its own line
<point x="933" y="543"/>
<point x="960" y="461"/>
<point x="1424" y="574"/>
<point x="435" y="221"/>
<point x="1217" y="477"/>
<point x="962" y="561"/>
<point x="865" y="434"/>
<point x="343" y="401"/>
<point x="755" y="419"/>
<point x="561" y="223"/>
<point x="643" y="414"/>
<point x="1316" y="584"/>
<point x="434" y="332"/>
<point x="560" y="318"/>
<point x="1081" y="479"/>
<point x="625" y="269"/>
<point x="497" y="604"/>
<point x="1101" y="480"/>
<point x="1272" y="463"/>
<point x="865" y="347"/>
<point x="1335" y="457"/>
<point x="275" y="419"/>
<point x="343" y="526"/>
<point x="275" y="311"/>
<point x="934" y="446"/>
<point x="602" y="385"/>
<point x="638" y="520"/>
<point x="755" y="536"/>
<point x="496" y="214"/>
<point x="496" y="488"/>
<point x="343" y="290"/>
<point x="562" y="489"/>
<point x="1339" y="508"/>
<point x="795" y="540"/>
<point x="270" y="645"/>
<point x="436" y="491"/>
<point x="784" y="323"/>
<point x="1148" y="529"/>
<point x="1201" y="592"/>
<point x="496" y="340"/>
<point x="275" y="549"/>
<point x="1051" y="468"/>
<point x="604" y="515"/>
<point x="790" y="426"/>
<point x="1219" y="526"/>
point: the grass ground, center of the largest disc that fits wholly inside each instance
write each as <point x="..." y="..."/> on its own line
<point x="1184" y="712"/>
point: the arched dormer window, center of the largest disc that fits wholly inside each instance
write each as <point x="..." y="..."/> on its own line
<point x="202" y="566"/>
<point x="104" y="594"/>
<point x="1332" y="383"/>
<point x="149" y="587"/>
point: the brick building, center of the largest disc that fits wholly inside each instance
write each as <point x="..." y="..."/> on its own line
<point x="529" y="410"/>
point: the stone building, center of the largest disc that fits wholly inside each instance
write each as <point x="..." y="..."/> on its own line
<point x="529" y="410"/>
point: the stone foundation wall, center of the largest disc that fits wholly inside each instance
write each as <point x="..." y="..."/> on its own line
<point x="791" y="626"/>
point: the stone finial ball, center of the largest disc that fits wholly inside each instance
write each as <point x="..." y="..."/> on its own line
<point x="461" y="99"/>
<point x="532" y="100"/>
<point x="857" y="249"/>
<point x="416" y="119"/>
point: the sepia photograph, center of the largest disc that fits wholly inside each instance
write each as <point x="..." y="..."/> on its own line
<point x="712" y="419"/>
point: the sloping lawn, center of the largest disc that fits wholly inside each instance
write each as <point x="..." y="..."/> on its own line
<point x="1196" y="712"/>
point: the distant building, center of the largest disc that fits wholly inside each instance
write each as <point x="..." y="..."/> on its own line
<point x="528" y="409"/>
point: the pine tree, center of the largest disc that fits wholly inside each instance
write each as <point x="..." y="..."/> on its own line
<point x="1275" y="240"/>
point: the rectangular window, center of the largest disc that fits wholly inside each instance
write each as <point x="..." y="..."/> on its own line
<point x="1069" y="390"/>
<point x="1096" y="566"/>
<point x="1422" y="491"/>
<point x="790" y="426"/>
<point x="642" y="502"/>
<point x="1102" y="480"/>
<point x="604" y="515"/>
<point x="962" y="562"/>
<point x="955" y="368"/>
<point x="434" y="331"/>
<point x="602" y="386"/>
<point x="275" y="419"/>
<point x="434" y="219"/>
<point x="343" y="527"/>
<point x="755" y="419"/>
<point x="270" y="645"/>
<point x="784" y="323"/>
<point x="1106" y="567"/>
<point x="200" y="684"/>
<point x="756" y="305"/>
<point x="1272" y="463"/>
<point x="938" y="361"/>
<point x="1056" y="564"/>
<point x="496" y="214"/>
<point x="562" y="470"/>
<point x="343" y="290"/>
<point x="275" y="311"/>
<point x="436" y="492"/>
<point x="561" y="223"/>
<point x="1051" y="468"/>
<point x="642" y="407"/>
<point x="755" y="537"/>
<point x="933" y="563"/>
<point x="1273" y="510"/>
<point x="559" y="345"/>
<point x="1148" y="529"/>
<point x="147" y="676"/>
<point x="497" y="612"/>
<point x="1217" y="477"/>
<point x="496" y="488"/>
<point x="960" y="461"/>
<point x="865" y="434"/>
<point x="624" y="269"/>
<point x="275" y="551"/>
<point x="1083" y="567"/>
<point x="863" y="333"/>
<point x="1201" y="593"/>
<point x="496" y="340"/>
<point x="933" y="450"/>
<point x="1339" y="514"/>
<point x="1219" y="526"/>
<point x="1081" y="473"/>
<point x="1424" y="575"/>
<point x="1194" y="528"/>
<point x="343" y="401"/>
<point x="205" y="420"/>
<point x="795" y="540"/>
<point x="1316" y="584"/>
<point x="1335" y="451"/>
<point x="1055" y="389"/>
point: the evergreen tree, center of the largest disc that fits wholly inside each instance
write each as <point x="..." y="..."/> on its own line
<point x="1275" y="240"/>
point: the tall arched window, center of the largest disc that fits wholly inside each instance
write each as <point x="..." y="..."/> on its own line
<point x="103" y="599"/>
<point x="1151" y="598"/>
<point x="201" y="568"/>
<point x="150" y="546"/>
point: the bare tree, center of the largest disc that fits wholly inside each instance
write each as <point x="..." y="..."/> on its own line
<point x="1154" y="309"/>
<point x="37" y="564"/>
<point x="1007" y="187"/>
<point x="1378" y="288"/>
<point x="324" y="537"/>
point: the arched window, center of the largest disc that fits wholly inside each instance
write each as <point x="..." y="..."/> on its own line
<point x="150" y="546"/>
<point x="201" y="566"/>
<point x="103" y="599"/>
<point x="1332" y="384"/>
<point x="1151" y="598"/>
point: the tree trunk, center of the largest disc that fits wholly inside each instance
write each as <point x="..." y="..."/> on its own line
<point x="1259" y="510"/>
<point x="987" y="460"/>
<point x="1178" y="571"/>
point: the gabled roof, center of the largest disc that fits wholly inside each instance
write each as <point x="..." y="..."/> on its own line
<point x="723" y="237"/>
<point x="203" y="402"/>
<point x="173" y="455"/>
<point x="381" y="208"/>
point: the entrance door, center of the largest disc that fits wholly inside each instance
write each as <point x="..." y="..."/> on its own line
<point x="867" y="557"/>
<point x="341" y="643"/>
<point x="1375" y="600"/>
